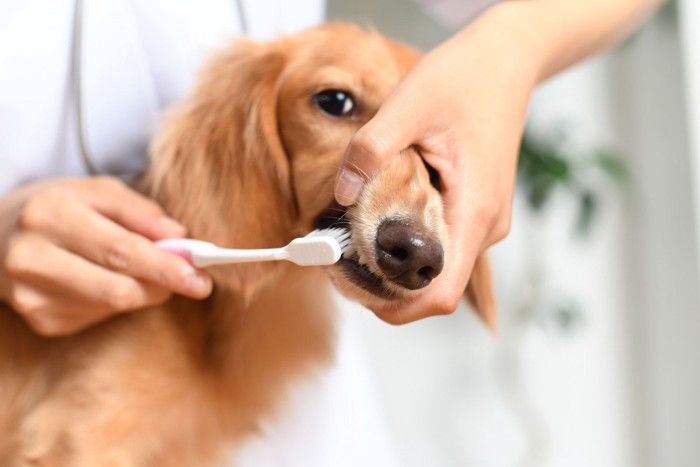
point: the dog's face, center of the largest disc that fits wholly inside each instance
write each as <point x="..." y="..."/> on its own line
<point x="333" y="85"/>
<point x="280" y="116"/>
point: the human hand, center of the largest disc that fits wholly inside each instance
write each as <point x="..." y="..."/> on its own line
<point x="463" y="106"/>
<point x="74" y="252"/>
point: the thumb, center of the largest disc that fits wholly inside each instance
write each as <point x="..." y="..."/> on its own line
<point x="370" y="150"/>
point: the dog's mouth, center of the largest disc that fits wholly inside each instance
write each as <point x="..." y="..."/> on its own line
<point x="335" y="215"/>
<point x="358" y="274"/>
<point x="403" y="257"/>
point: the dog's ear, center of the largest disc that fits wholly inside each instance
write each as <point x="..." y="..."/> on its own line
<point x="218" y="165"/>
<point x="480" y="294"/>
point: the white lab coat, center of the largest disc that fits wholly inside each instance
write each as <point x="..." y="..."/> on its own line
<point x="139" y="57"/>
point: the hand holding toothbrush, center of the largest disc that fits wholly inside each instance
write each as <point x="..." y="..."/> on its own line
<point x="76" y="251"/>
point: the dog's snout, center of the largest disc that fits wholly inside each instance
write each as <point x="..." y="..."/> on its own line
<point x="407" y="253"/>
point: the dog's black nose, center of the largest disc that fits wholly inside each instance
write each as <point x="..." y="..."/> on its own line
<point x="407" y="253"/>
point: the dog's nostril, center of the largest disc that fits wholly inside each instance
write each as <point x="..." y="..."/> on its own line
<point x="427" y="272"/>
<point x="407" y="253"/>
<point x="399" y="253"/>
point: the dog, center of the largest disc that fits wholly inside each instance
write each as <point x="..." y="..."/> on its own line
<point x="247" y="161"/>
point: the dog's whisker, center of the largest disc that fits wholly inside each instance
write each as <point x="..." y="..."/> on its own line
<point x="364" y="174"/>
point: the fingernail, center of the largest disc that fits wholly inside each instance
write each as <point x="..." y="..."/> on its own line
<point x="198" y="284"/>
<point x="348" y="188"/>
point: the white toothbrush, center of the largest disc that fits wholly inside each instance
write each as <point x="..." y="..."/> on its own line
<point x="320" y="247"/>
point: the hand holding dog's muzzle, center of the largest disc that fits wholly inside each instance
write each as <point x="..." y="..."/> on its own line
<point x="462" y="107"/>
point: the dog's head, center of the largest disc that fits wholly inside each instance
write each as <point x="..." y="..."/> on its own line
<point x="257" y="148"/>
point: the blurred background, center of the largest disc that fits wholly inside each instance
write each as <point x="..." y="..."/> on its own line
<point x="596" y="362"/>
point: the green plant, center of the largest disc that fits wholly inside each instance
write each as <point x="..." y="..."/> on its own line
<point x="545" y="169"/>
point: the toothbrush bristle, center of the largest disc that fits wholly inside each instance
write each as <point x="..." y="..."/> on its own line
<point x="339" y="234"/>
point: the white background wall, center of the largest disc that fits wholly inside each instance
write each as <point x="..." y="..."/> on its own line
<point x="620" y="389"/>
<point x="690" y="38"/>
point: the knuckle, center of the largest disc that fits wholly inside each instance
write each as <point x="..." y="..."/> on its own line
<point x="446" y="308"/>
<point x="485" y="217"/>
<point x="107" y="182"/>
<point x="394" y="319"/>
<point x="487" y="212"/>
<point x="36" y="213"/>
<point x="367" y="147"/>
<point x="494" y="219"/>
<point x="170" y="278"/>
<point x="121" y="296"/>
<point x="118" y="255"/>
<point x="14" y="262"/>
<point x="160" y="296"/>
<point x="40" y="313"/>
<point x="446" y="304"/>
<point x="501" y="229"/>
<point x="18" y="260"/>
<point x="26" y="303"/>
<point x="47" y="327"/>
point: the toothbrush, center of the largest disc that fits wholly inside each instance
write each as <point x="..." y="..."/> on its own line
<point x="320" y="247"/>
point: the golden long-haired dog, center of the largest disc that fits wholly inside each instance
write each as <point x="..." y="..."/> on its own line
<point x="248" y="161"/>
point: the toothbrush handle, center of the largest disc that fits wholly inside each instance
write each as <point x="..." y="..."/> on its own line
<point x="231" y="255"/>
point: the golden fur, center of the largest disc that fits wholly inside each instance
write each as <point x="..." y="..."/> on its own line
<point x="247" y="161"/>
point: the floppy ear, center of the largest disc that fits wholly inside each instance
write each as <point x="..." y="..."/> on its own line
<point x="479" y="292"/>
<point x="218" y="164"/>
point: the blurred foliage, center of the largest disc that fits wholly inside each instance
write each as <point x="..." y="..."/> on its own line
<point x="564" y="317"/>
<point x="547" y="169"/>
<point x="544" y="170"/>
<point x="666" y="16"/>
<point x="668" y="13"/>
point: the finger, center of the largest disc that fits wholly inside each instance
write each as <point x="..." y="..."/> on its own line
<point x="370" y="150"/>
<point x="113" y="247"/>
<point x="66" y="285"/>
<point x="131" y="209"/>
<point x="62" y="273"/>
<point x="52" y="313"/>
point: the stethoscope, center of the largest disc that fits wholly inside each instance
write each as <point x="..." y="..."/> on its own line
<point x="77" y="84"/>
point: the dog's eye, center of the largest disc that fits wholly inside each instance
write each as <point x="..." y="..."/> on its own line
<point x="334" y="102"/>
